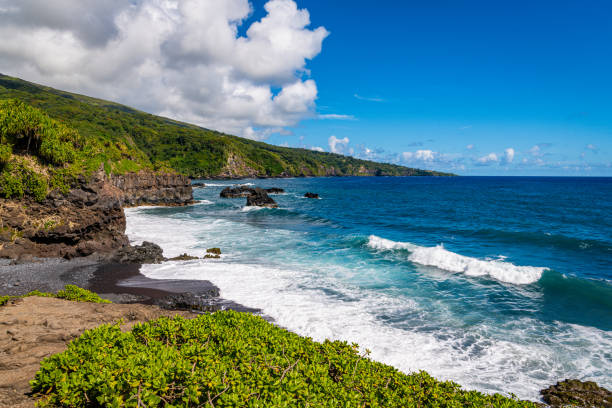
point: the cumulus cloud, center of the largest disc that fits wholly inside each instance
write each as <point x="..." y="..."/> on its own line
<point x="317" y="148"/>
<point x="469" y="147"/>
<point x="419" y="155"/>
<point x="184" y="59"/>
<point x="509" y="155"/>
<point x="337" y="145"/>
<point x="487" y="159"/>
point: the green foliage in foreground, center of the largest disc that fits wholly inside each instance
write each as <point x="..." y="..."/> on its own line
<point x="232" y="359"/>
<point x="70" y="292"/>
<point x="188" y="149"/>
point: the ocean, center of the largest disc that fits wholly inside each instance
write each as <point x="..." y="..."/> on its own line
<point x="501" y="284"/>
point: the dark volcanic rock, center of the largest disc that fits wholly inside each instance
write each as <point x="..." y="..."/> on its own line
<point x="274" y="190"/>
<point x="577" y="393"/>
<point x="147" y="253"/>
<point x="183" y="257"/>
<point x="189" y="301"/>
<point x="89" y="219"/>
<point x="260" y="198"/>
<point x="146" y="188"/>
<point x="198" y="185"/>
<point x="311" y="195"/>
<point x="236" y="192"/>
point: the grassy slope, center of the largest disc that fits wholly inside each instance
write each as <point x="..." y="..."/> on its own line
<point x="189" y="149"/>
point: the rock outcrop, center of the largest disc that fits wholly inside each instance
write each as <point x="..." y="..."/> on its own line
<point x="147" y="253"/>
<point x="275" y="190"/>
<point x="146" y="188"/>
<point x="311" y="195"/>
<point x="189" y="301"/>
<point x="575" y="393"/>
<point x="236" y="192"/>
<point x="88" y="219"/>
<point x="260" y="198"/>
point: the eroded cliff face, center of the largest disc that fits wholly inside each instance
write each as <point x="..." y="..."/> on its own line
<point x="87" y="220"/>
<point x="153" y="189"/>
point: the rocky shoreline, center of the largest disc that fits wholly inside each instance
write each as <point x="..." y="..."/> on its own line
<point x="79" y="239"/>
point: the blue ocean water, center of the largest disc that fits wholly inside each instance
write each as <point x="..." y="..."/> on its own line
<point x="503" y="284"/>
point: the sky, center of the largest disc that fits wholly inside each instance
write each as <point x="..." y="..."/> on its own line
<point x="472" y="87"/>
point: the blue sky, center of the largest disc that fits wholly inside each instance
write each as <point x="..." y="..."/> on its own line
<point x="466" y="80"/>
<point x="473" y="87"/>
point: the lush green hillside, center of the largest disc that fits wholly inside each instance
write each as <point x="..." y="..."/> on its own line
<point x="39" y="154"/>
<point x="188" y="149"/>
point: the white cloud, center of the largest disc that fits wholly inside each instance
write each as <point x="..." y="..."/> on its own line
<point x="337" y="145"/>
<point x="419" y="155"/>
<point x="317" y="148"/>
<point x="335" y="116"/>
<point x="182" y="59"/>
<point x="509" y="155"/>
<point x="592" y="148"/>
<point x="469" y="147"/>
<point x="489" y="158"/>
<point x="535" y="150"/>
<point x="369" y="99"/>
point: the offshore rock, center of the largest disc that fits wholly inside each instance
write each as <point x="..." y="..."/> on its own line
<point x="576" y="393"/>
<point x="183" y="257"/>
<point x="260" y="198"/>
<point x="311" y="195"/>
<point x="275" y="190"/>
<point x="236" y="192"/>
<point x="147" y="253"/>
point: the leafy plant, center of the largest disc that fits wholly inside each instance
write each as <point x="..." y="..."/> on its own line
<point x="70" y="292"/>
<point x="232" y="359"/>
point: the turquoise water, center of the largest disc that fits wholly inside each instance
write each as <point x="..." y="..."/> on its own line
<point x="501" y="284"/>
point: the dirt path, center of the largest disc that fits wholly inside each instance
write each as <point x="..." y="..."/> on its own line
<point x="34" y="328"/>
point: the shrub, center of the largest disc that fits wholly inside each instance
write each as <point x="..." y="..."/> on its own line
<point x="70" y="292"/>
<point x="11" y="185"/>
<point x="5" y="154"/>
<point x="232" y="359"/>
<point x="35" y="185"/>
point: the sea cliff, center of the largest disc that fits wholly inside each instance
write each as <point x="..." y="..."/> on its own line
<point x="88" y="219"/>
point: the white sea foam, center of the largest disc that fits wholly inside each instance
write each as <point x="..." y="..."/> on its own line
<point x="248" y="208"/>
<point x="442" y="258"/>
<point x="228" y="184"/>
<point x="522" y="357"/>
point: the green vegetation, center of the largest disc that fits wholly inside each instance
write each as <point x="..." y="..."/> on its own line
<point x="232" y="359"/>
<point x="141" y="139"/>
<point x="38" y="153"/>
<point x="70" y="292"/>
